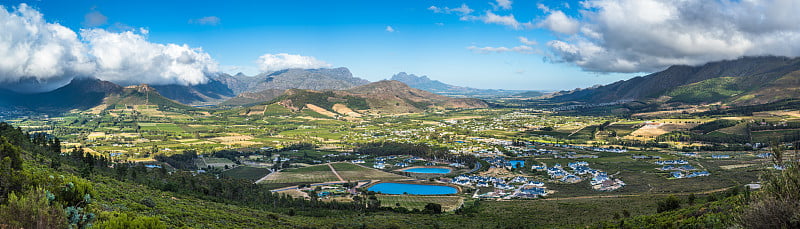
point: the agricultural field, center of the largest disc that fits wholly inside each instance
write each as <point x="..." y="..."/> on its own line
<point x="355" y="172"/>
<point x="305" y="175"/>
<point x="410" y="202"/>
<point x="246" y="172"/>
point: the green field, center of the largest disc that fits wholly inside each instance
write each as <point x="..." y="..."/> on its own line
<point x="305" y="175"/>
<point x="246" y="172"/>
<point x="449" y="203"/>
<point x="354" y="172"/>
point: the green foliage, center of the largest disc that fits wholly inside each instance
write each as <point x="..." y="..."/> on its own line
<point x="117" y="220"/>
<point x="668" y="204"/>
<point x="35" y="208"/>
<point x="715" y="125"/>
<point x="433" y="208"/>
<point x="778" y="203"/>
<point x="710" y="90"/>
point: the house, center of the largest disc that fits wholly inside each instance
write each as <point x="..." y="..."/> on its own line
<point x="686" y="167"/>
<point x="677" y="174"/>
<point x="401" y="164"/>
<point x="359" y="161"/>
<point x="721" y="156"/>
<point x="379" y="166"/>
<point x="534" y="191"/>
<point x="519" y="180"/>
<point x="571" y="179"/>
<point x="535" y="183"/>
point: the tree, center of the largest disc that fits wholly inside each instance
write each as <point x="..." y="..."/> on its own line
<point x="778" y="203"/>
<point x="33" y="209"/>
<point x="668" y="204"/>
<point x="433" y="208"/>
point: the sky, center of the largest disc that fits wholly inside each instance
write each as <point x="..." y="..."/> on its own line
<point x="502" y="44"/>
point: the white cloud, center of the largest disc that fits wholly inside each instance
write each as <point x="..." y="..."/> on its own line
<point x="94" y="18"/>
<point x="559" y="22"/>
<point x="435" y="9"/>
<point x="649" y="35"/>
<point x="128" y="58"/>
<point x="508" y="20"/>
<point x="502" y="4"/>
<point x="210" y="20"/>
<point x="36" y="55"/>
<point x="525" y="41"/>
<point x="276" y="62"/>
<point x="389" y="29"/>
<point x="464" y="11"/>
<point x="485" y="50"/>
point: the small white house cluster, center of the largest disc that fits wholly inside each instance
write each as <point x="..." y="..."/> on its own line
<point x="672" y="162"/>
<point x="679" y="174"/>
<point x="517" y="187"/>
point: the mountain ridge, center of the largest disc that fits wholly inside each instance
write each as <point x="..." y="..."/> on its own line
<point x="751" y="74"/>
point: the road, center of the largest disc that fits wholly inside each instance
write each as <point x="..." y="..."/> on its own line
<point x="634" y="195"/>
<point x="334" y="172"/>
<point x="477" y="166"/>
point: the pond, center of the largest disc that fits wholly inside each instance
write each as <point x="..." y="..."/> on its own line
<point x="515" y="162"/>
<point x="413" y="189"/>
<point x="427" y="170"/>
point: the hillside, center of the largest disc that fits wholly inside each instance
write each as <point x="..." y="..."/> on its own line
<point x="246" y="98"/>
<point x="435" y="86"/>
<point x="313" y="79"/>
<point x="211" y="92"/>
<point x="380" y="97"/>
<point x="748" y="80"/>
<point x="88" y="93"/>
<point x="80" y="93"/>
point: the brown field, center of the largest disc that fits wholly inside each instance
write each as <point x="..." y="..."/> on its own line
<point x="649" y="131"/>
<point x="342" y="109"/>
<point x="321" y="110"/>
<point x="232" y="137"/>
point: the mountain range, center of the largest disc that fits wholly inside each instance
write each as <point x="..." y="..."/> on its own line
<point x="744" y="81"/>
<point x="382" y="97"/>
<point x="222" y="87"/>
<point x="435" y="86"/>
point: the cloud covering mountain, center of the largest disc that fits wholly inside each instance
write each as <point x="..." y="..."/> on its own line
<point x="649" y="35"/>
<point x="37" y="56"/>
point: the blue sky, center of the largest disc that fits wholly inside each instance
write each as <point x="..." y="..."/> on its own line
<point x="435" y="38"/>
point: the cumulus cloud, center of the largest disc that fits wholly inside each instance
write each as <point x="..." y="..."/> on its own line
<point x="486" y="50"/>
<point x="276" y="62"/>
<point x="502" y="4"/>
<point x="94" y="18"/>
<point x="464" y="11"/>
<point x="489" y="17"/>
<point x="128" y="58"/>
<point x="649" y="35"/>
<point x="389" y="29"/>
<point x="36" y="55"/>
<point x="559" y="22"/>
<point x="210" y="20"/>
<point x="508" y="20"/>
<point x="525" y="41"/>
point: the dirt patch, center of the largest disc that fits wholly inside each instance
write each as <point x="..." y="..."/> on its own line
<point x="321" y="110"/>
<point x="342" y="109"/>
<point x="232" y="137"/>
<point x="463" y="118"/>
<point x="736" y="166"/>
<point x="651" y="130"/>
<point x="496" y="172"/>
